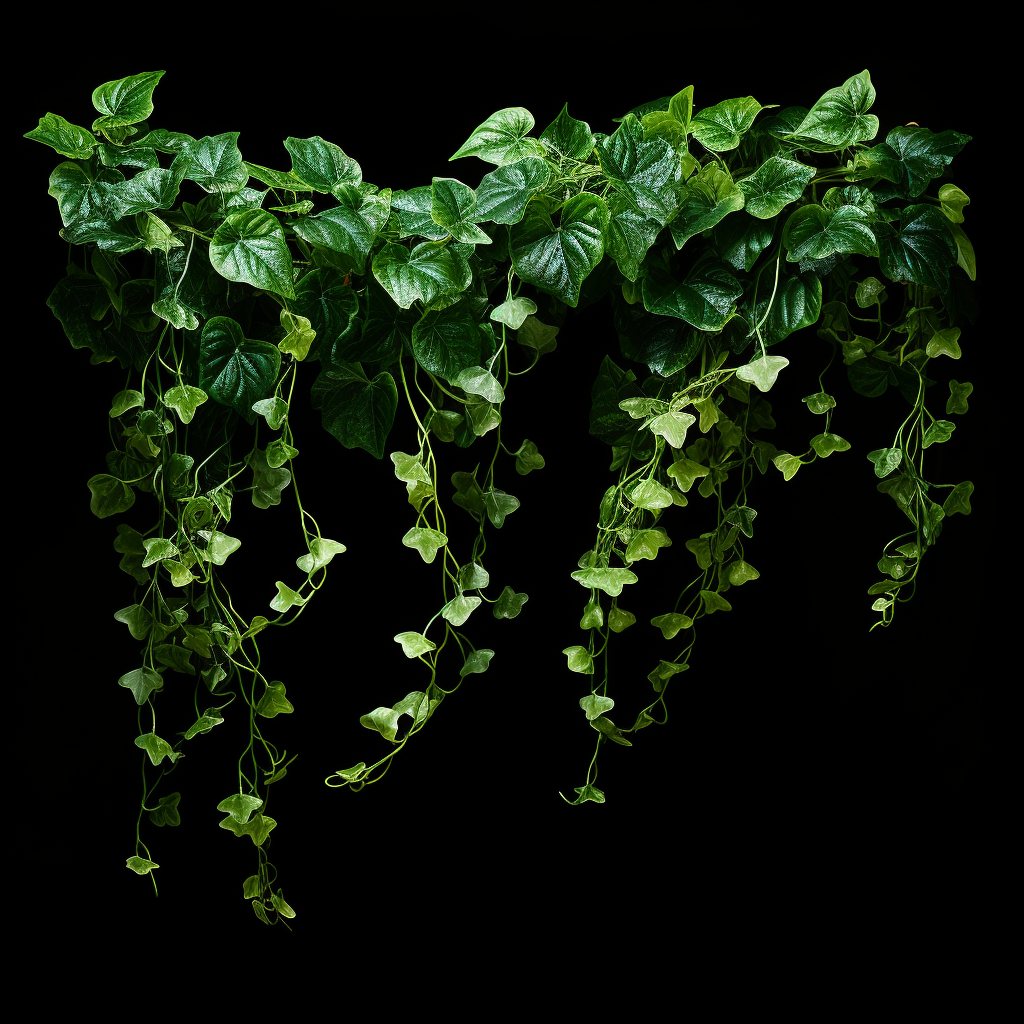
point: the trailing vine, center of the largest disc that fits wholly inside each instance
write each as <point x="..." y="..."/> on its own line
<point x="715" y="234"/>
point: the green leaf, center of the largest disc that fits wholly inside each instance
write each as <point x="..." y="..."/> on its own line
<point x="123" y="401"/>
<point x="322" y="165"/>
<point x="140" y="865"/>
<point x="503" y="138"/>
<point x="215" y="164"/>
<point x="742" y="517"/>
<point x="704" y="298"/>
<point x="124" y="101"/>
<point x="870" y="291"/>
<point x="611" y="581"/>
<point x="233" y="370"/>
<point x="321" y="551"/>
<point x="109" y="495"/>
<point x="299" y="334"/>
<point x="672" y="426"/>
<point x="538" y="336"/>
<point x="685" y="471"/>
<point x="453" y="207"/>
<point x="819" y="403"/>
<point x="919" y="249"/>
<point x="740" y="572"/>
<point x="588" y="792"/>
<point x="579" y="660"/>
<point x="458" y="609"/>
<point x="959" y="499"/>
<point x="166" y="812"/>
<point x="273" y="410"/>
<point x="509" y="604"/>
<point x="207" y="720"/>
<point x="513" y="312"/>
<point x="240" y="806"/>
<point x="958" y="395"/>
<point x="558" y="259"/>
<point x="953" y="201"/>
<point x="762" y="371"/>
<point x="939" y="431"/>
<point x="349" y="229"/>
<point x="774" y="185"/>
<point x="885" y="460"/>
<point x="273" y="702"/>
<point x="427" y="542"/>
<point x="139" y="620"/>
<point x="503" y="193"/>
<point x="812" y="232"/>
<point x="651" y="495"/>
<point x="473" y="576"/>
<point x="705" y="199"/>
<point x="257" y="830"/>
<point x="185" y="399"/>
<point x="331" y="307"/>
<point x="671" y="623"/>
<point x="142" y="682"/>
<point x="359" y="412"/>
<point x="267" y="482"/>
<point x="498" y="505"/>
<point x="839" y="119"/>
<point x="594" y="705"/>
<point x="428" y="272"/>
<point x="478" y="661"/>
<point x="720" y="128"/>
<point x="944" y="343"/>
<point x="921" y="156"/>
<point x="787" y="464"/>
<point x="414" y="644"/>
<point x="826" y="444"/>
<point x="475" y="380"/>
<point x="286" y="598"/>
<point x="528" y="458"/>
<point x="714" y="602"/>
<point x="642" y="170"/>
<point x="646" y="544"/>
<point x="619" y="619"/>
<point x="67" y="139"/>
<point x="250" y="246"/>
<point x="567" y="137"/>
<point x="156" y="748"/>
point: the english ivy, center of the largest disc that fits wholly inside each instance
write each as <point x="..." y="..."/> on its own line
<point x="716" y="231"/>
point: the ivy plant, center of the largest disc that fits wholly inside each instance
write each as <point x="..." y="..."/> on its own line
<point x="223" y="289"/>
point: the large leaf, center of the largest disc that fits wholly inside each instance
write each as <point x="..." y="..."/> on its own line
<point x="430" y="271"/>
<point x="719" y="128"/>
<point x="357" y="411"/>
<point x="703" y="298"/>
<point x="812" y="232"/>
<point x="447" y="341"/>
<point x="922" y="155"/>
<point x="504" y="192"/>
<point x="920" y="248"/>
<point x="665" y="343"/>
<point x="124" y="101"/>
<point x="67" y="139"/>
<point x="705" y="199"/>
<point x="234" y="370"/>
<point x="503" y="138"/>
<point x="775" y="184"/>
<point x="839" y="119"/>
<point x="214" y="163"/>
<point x="796" y="304"/>
<point x="631" y="232"/>
<point x="348" y="229"/>
<point x="331" y="308"/>
<point x="322" y="165"/>
<point x="643" y="170"/>
<point x="250" y="246"/>
<point x="453" y="207"/>
<point x="558" y="259"/>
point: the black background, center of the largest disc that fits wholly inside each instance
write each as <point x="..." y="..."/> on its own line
<point x="804" y="756"/>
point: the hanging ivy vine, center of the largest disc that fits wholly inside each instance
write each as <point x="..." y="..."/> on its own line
<point x="716" y="232"/>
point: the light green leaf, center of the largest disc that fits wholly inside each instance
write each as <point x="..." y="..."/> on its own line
<point x="240" y="806"/>
<point x="184" y="400"/>
<point x="206" y="721"/>
<point x="473" y="576"/>
<point x="619" y="619"/>
<point x="215" y="164"/>
<point x="109" y="495"/>
<point x="142" y="682"/>
<point x="820" y="402"/>
<point x="513" y="312"/>
<point x="459" y="608"/>
<point x="273" y="702"/>
<point x="299" y="335"/>
<point x="503" y="193"/>
<point x="706" y="198"/>
<point x="953" y="201"/>
<point x="124" y="101"/>
<point x="944" y="343"/>
<point x="787" y="465"/>
<point x="498" y="505"/>
<point x="414" y="644"/>
<point x="321" y="551"/>
<point x="826" y="444"/>
<point x="740" y="572"/>
<point x="671" y="623"/>
<point x="649" y="494"/>
<point x="714" y="602"/>
<point x="685" y="471"/>
<point x="959" y="499"/>
<point x="475" y="380"/>
<point x="140" y="865"/>
<point x="939" y="431"/>
<point x="453" y="207"/>
<point x="257" y="830"/>
<point x="885" y="460"/>
<point x="286" y="598"/>
<point x="579" y="660"/>
<point x="611" y="581"/>
<point x="672" y="426"/>
<point x="322" y="165"/>
<point x="594" y="705"/>
<point x="503" y="138"/>
<point x="762" y="371"/>
<point x="273" y="410"/>
<point x="646" y="544"/>
<point x="158" y="548"/>
<point x="427" y="542"/>
<point x="157" y="748"/>
<point x="67" y="139"/>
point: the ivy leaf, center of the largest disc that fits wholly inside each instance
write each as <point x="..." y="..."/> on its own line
<point x="579" y="660"/>
<point x="414" y="644"/>
<point x="478" y="661"/>
<point x="273" y="410"/>
<point x="157" y="748"/>
<point x="321" y="165"/>
<point x="358" y="411"/>
<point x="642" y="169"/>
<point x="257" y="830"/>
<point x="944" y="343"/>
<point x="672" y="426"/>
<point x="529" y="459"/>
<point x="742" y="517"/>
<point x="610" y="731"/>
<point x="685" y="471"/>
<point x="185" y="399"/>
<point x="939" y="431"/>
<point x="286" y="598"/>
<point x="274" y="702"/>
<point x="240" y="806"/>
<point x="593" y="616"/>
<point x="498" y="505"/>
<point x="475" y="380"/>
<point x="346" y="233"/>
<point x="299" y="334"/>
<point x="453" y="207"/>
<point x="67" y="139"/>
<point x="427" y="542"/>
<point x="958" y="395"/>
<point x="140" y="865"/>
<point x="740" y="572"/>
<point x="826" y="444"/>
<point x="703" y="298"/>
<point x="646" y="544"/>
<point x="619" y="619"/>
<point x="820" y="402"/>
<point x="166" y="812"/>
<point x="509" y="604"/>
<point x="458" y="609"/>
<point x="428" y="272"/>
<point x="473" y="576"/>
<point x="109" y="495"/>
<point x="138" y="620"/>
<point x="268" y="483"/>
<point x="594" y="705"/>
<point x="959" y="499"/>
<point x="158" y="548"/>
<point x="250" y="246"/>
<point x="233" y="370"/>
<point x="714" y="602"/>
<point x="611" y="581"/>
<point x="588" y="792"/>
<point x="142" y="682"/>
<point x="671" y="623"/>
<point x="321" y="551"/>
<point x="814" y="233"/>
<point x="920" y="249"/>
<point x="705" y="199"/>
<point x="207" y="720"/>
<point x="651" y="495"/>
<point x="885" y="460"/>
<point x="558" y="259"/>
<point x="278" y="453"/>
<point x="513" y="312"/>
<point x="763" y="371"/>
<point x="503" y="138"/>
<point x="720" y="128"/>
<point x="787" y="465"/>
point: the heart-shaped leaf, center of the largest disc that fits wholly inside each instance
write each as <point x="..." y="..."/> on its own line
<point x="594" y="705"/>
<point x="763" y="371"/>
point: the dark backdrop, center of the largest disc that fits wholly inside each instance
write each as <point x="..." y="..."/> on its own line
<point x="803" y="756"/>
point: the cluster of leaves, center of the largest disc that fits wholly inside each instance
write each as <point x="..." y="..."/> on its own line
<point x="715" y="234"/>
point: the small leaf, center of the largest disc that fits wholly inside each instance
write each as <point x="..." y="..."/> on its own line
<point x="528" y="458"/>
<point x="959" y="499"/>
<point x="958" y="395"/>
<point x="594" y="706"/>
<point x="885" y="460"/>
<point x="140" y="865"/>
<point x="286" y="598"/>
<point x="742" y="517"/>
<point x="819" y="402"/>
<point x="740" y="572"/>
<point x="509" y="604"/>
<point x="157" y="748"/>
<point x="414" y="644"/>
<point x="478" y="661"/>
<point x="273" y="702"/>
<point x="939" y="431"/>
<point x="826" y="444"/>
<point x="763" y="371"/>
<point x="671" y="623"/>
<point x="142" y="682"/>
<point x="184" y="400"/>
<point x="672" y="426"/>
<point x="273" y="410"/>
<point x="166" y="811"/>
<point x="944" y="343"/>
<point x="321" y="551"/>
<point x="240" y="806"/>
<point x="611" y="581"/>
<point x="619" y="619"/>
<point x="475" y="380"/>
<point x="125" y="400"/>
<point x="579" y="660"/>
<point x="714" y="602"/>
<point x="458" y="609"/>
<point x="498" y="505"/>
<point x="427" y="542"/>
<point x="513" y="312"/>
<point x="787" y="465"/>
